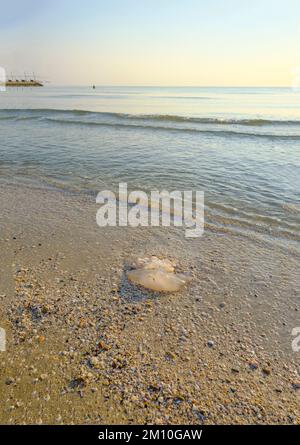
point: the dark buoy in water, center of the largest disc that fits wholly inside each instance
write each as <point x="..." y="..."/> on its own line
<point x="94" y="87"/>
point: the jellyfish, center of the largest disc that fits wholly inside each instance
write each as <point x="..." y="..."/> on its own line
<point x="157" y="275"/>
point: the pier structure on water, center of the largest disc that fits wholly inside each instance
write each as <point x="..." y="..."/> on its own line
<point x="23" y="81"/>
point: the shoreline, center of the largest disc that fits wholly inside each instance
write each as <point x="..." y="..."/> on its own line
<point x="212" y="224"/>
<point x="86" y="347"/>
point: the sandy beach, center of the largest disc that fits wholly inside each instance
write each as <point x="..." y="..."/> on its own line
<point x="84" y="346"/>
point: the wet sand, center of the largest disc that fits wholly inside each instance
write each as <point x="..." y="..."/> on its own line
<point x="84" y="346"/>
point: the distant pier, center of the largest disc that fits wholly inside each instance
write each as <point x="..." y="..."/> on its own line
<point x="20" y="83"/>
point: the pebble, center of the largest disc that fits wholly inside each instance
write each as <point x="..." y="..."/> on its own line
<point x="170" y="355"/>
<point x="253" y="366"/>
<point x="9" y="381"/>
<point x="94" y="362"/>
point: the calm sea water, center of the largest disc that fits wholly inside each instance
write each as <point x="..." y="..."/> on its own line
<point x="240" y="145"/>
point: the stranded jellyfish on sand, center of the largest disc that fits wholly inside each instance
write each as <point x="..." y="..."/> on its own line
<point x="157" y="275"/>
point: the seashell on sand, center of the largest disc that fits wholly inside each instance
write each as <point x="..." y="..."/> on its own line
<point x="157" y="275"/>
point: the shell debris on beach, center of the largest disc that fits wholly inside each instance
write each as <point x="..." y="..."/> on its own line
<point x="157" y="275"/>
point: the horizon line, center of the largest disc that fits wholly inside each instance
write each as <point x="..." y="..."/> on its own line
<point x="167" y="86"/>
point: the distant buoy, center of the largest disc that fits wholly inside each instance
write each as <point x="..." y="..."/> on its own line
<point x="94" y="87"/>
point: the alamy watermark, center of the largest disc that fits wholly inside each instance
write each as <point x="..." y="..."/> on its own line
<point x="2" y="79"/>
<point x="296" y="79"/>
<point x="2" y="340"/>
<point x="137" y="208"/>
<point x="296" y="340"/>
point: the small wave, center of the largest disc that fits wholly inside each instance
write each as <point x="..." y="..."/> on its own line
<point x="292" y="208"/>
<point x="26" y="118"/>
<point x="174" y="129"/>
<point x="154" y="117"/>
<point x="3" y="118"/>
<point x="185" y="97"/>
<point x="216" y="121"/>
<point x="251" y="217"/>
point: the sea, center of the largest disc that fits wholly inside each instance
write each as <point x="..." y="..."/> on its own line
<point x="240" y="146"/>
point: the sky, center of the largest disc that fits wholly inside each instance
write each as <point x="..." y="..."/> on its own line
<point x="152" y="42"/>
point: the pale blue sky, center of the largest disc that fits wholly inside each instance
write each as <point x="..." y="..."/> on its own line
<point x="152" y="42"/>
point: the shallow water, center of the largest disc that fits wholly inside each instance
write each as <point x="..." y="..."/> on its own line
<point x="241" y="146"/>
